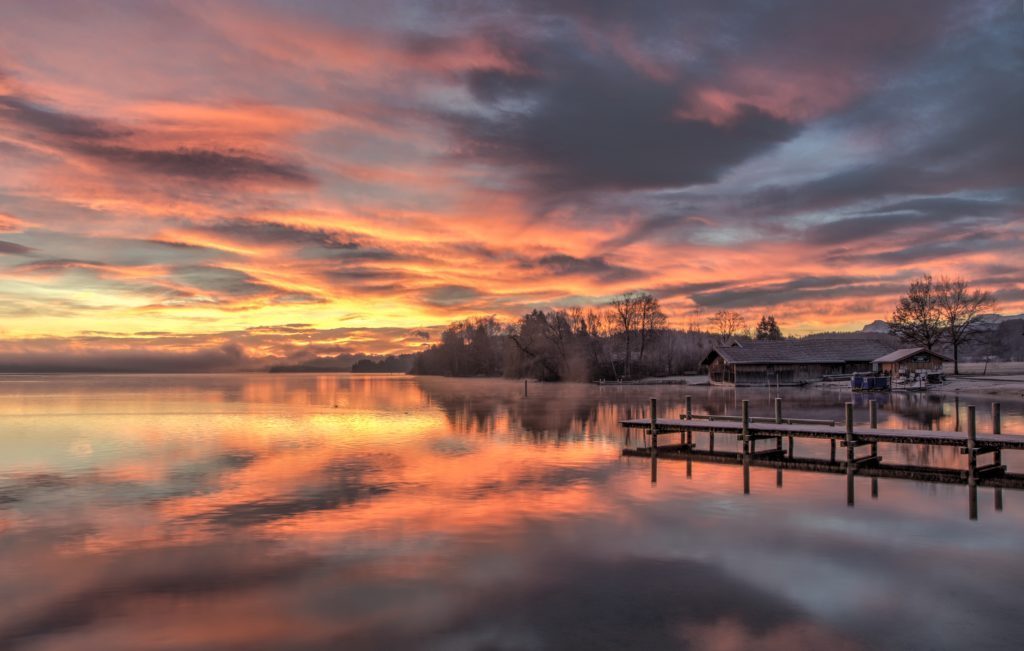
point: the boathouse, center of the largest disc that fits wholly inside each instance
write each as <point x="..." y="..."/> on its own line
<point x="792" y="361"/>
<point x="906" y="361"/>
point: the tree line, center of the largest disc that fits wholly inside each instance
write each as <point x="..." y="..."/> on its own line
<point x="626" y="339"/>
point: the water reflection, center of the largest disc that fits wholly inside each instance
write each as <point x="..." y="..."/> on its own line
<point x="324" y="512"/>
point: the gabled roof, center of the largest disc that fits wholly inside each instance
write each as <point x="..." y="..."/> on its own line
<point x="907" y="353"/>
<point x="815" y="350"/>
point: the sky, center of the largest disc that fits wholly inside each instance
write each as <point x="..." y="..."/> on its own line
<point x="212" y="185"/>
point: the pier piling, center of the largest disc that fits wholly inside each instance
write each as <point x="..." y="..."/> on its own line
<point x="972" y="464"/>
<point x="873" y="415"/>
<point x="654" y="428"/>
<point x="745" y="416"/>
<point x="685" y="438"/>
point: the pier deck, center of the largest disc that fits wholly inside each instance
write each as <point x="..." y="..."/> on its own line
<point x="838" y="432"/>
<point x="751" y="429"/>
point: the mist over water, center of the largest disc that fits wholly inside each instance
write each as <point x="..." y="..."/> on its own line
<point x="396" y="512"/>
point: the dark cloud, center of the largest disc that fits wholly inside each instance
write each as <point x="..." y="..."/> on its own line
<point x="57" y="265"/>
<point x="562" y="264"/>
<point x="968" y="146"/>
<point x="928" y="211"/>
<point x="58" y="123"/>
<point x="593" y="122"/>
<point x="220" y="280"/>
<point x="103" y="141"/>
<point x="931" y="249"/>
<point x="810" y="287"/>
<point x="267" y="232"/>
<point x="13" y="248"/>
<point x="449" y="295"/>
<point x="200" y="164"/>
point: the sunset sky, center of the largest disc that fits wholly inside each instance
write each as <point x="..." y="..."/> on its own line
<point x="209" y="185"/>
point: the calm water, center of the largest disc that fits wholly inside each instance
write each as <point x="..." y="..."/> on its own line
<point x="388" y="512"/>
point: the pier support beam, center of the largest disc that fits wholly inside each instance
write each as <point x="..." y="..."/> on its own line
<point x="873" y="415"/>
<point x="778" y="421"/>
<point x="972" y="464"/>
<point x="748" y="444"/>
<point x="686" y="438"/>
<point x="997" y="428"/>
<point x="654" y="428"/>
<point x="849" y="435"/>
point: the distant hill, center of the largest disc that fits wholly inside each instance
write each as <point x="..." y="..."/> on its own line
<point x="985" y="320"/>
<point x="877" y="326"/>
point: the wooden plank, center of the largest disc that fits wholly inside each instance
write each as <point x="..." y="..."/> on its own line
<point x="926" y="437"/>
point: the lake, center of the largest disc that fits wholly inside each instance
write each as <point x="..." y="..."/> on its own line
<point x="253" y="511"/>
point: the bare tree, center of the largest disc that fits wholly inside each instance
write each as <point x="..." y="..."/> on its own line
<point x="625" y="314"/>
<point x="917" y="318"/>
<point x="652" y="320"/>
<point x="959" y="308"/>
<point x="728" y="324"/>
<point x="694" y="319"/>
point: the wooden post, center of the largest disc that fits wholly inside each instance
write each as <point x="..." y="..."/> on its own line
<point x="689" y="467"/>
<point x="999" y="499"/>
<point x="874" y="488"/>
<point x="972" y="465"/>
<point x="654" y="427"/>
<point x="778" y="477"/>
<point x="849" y="434"/>
<point x="873" y="414"/>
<point x="972" y="432"/>
<point x="687" y="437"/>
<point x="997" y="429"/>
<point x="745" y="416"/>
<point x="778" y="421"/>
<point x="832" y="450"/>
<point x="790" y="447"/>
<point x="711" y="440"/>
<point x="849" y="485"/>
<point x="526" y="389"/>
<point x="746" y="473"/>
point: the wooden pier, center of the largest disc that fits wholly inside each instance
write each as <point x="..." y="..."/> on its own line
<point x="751" y="429"/>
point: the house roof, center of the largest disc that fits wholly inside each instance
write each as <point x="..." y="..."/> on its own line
<point x="816" y="350"/>
<point x="907" y="353"/>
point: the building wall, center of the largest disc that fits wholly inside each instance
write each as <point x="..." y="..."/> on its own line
<point x="916" y="363"/>
<point x="770" y="374"/>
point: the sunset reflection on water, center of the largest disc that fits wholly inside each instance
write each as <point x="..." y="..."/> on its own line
<point x="348" y="511"/>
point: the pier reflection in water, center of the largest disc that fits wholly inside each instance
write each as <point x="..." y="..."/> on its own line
<point x="359" y="512"/>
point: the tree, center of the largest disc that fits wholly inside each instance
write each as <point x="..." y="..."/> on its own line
<point x="728" y="324"/>
<point x="652" y="320"/>
<point x="959" y="308"/>
<point x="917" y="318"/>
<point x="625" y="315"/>
<point x="768" y="329"/>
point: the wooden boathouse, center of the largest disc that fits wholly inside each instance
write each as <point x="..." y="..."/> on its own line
<point x="792" y="361"/>
<point x="907" y="361"/>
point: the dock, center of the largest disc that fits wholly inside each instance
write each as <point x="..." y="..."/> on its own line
<point x="983" y="451"/>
